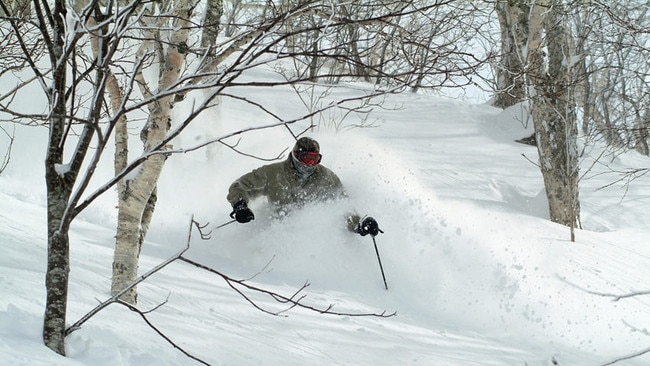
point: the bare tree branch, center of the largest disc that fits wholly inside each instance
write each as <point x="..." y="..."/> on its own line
<point x="115" y="298"/>
<point x="4" y="162"/>
<point x="143" y="315"/>
<point x="627" y="177"/>
<point x="628" y="357"/>
<point x="239" y="286"/>
<point x="293" y="300"/>
<point x="614" y="297"/>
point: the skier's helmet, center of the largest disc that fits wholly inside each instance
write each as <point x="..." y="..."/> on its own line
<point x="307" y="151"/>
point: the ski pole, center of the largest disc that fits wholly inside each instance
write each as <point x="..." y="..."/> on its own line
<point x="225" y="223"/>
<point x="379" y="260"/>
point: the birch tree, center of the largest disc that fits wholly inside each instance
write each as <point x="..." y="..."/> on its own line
<point x="553" y="110"/>
<point x="137" y="195"/>
<point x="576" y="58"/>
<point x="63" y="164"/>
<point x="212" y="22"/>
<point x="513" y="25"/>
<point x="537" y="65"/>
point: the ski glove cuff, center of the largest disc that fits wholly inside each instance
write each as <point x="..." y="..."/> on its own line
<point x="242" y="213"/>
<point x="368" y="226"/>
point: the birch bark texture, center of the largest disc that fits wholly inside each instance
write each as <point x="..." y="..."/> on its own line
<point x="137" y="194"/>
<point x="59" y="189"/>
<point x="553" y="109"/>
<point x="513" y="24"/>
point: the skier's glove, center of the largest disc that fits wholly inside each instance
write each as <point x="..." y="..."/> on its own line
<point x="242" y="213"/>
<point x="368" y="226"/>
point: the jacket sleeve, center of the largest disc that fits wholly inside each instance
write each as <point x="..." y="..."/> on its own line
<point x="248" y="186"/>
<point x="353" y="219"/>
<point x="337" y="190"/>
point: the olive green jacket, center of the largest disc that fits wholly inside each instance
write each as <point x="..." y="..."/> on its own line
<point x="282" y="185"/>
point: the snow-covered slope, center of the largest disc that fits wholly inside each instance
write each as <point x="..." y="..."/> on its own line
<point x="476" y="272"/>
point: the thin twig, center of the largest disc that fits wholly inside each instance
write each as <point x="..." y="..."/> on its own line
<point x="115" y="297"/>
<point x="239" y="286"/>
<point x="263" y="269"/>
<point x="529" y="160"/>
<point x="200" y="228"/>
<point x="233" y="283"/>
<point x="615" y="297"/>
<point x="630" y="356"/>
<point x="143" y="315"/>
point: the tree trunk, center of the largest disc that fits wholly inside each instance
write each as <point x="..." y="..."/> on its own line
<point x="642" y="134"/>
<point x="213" y="13"/>
<point x="513" y="22"/>
<point x="553" y="111"/>
<point x="137" y="202"/>
<point x="58" y="194"/>
<point x="62" y="178"/>
<point x="134" y="215"/>
<point x="56" y="282"/>
<point x="137" y="196"/>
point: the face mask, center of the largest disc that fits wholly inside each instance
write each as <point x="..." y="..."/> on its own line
<point x="303" y="170"/>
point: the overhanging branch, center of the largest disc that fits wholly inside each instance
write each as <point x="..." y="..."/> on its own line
<point x="240" y="286"/>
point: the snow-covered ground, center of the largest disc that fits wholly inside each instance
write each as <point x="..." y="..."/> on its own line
<point x="476" y="272"/>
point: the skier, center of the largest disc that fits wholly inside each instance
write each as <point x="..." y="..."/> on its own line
<point x="297" y="180"/>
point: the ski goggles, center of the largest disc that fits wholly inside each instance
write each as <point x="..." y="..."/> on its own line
<point x="309" y="158"/>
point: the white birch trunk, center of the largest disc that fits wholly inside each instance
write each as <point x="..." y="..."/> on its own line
<point x="138" y="195"/>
